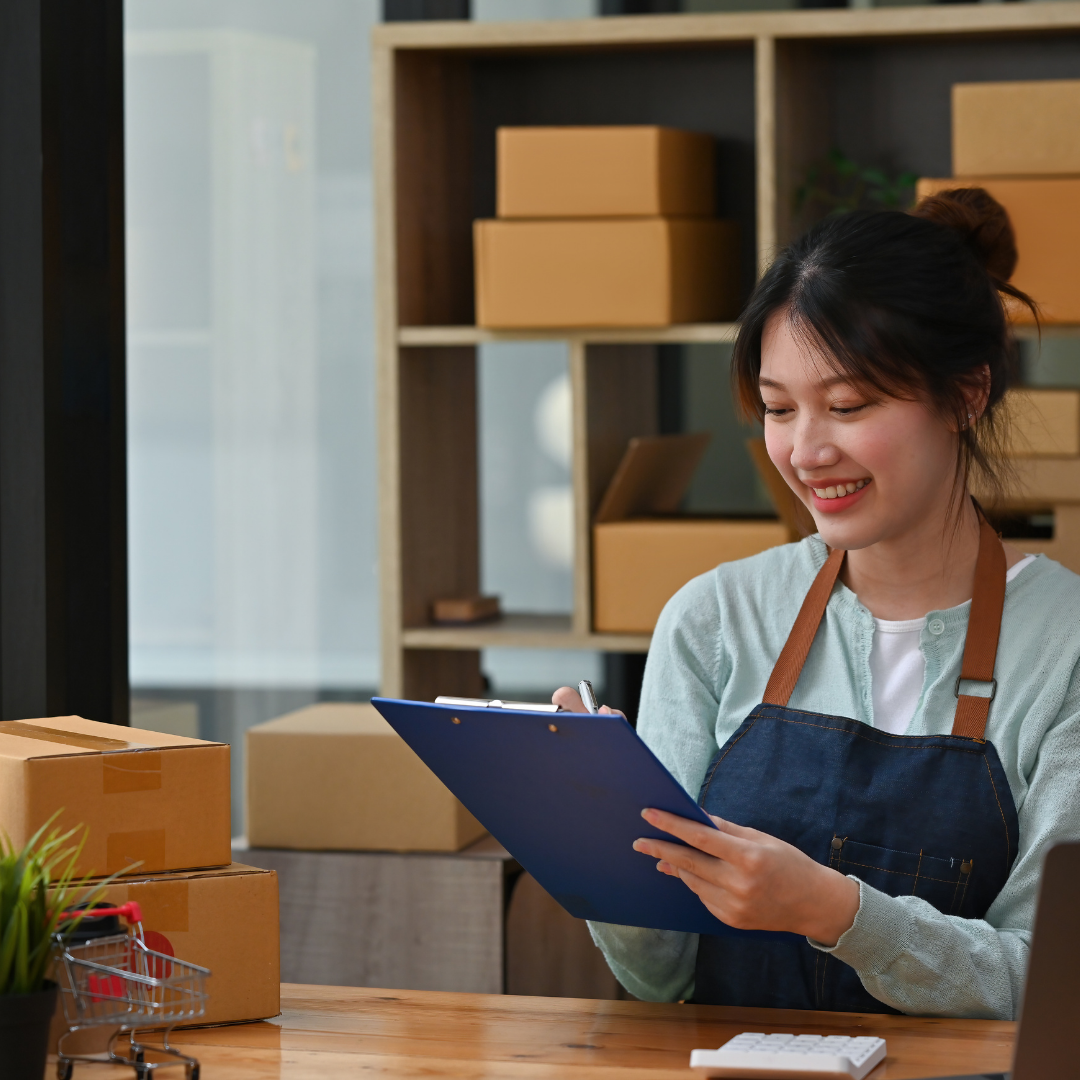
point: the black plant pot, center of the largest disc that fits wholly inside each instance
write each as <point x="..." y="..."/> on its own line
<point x="24" y="1032"/>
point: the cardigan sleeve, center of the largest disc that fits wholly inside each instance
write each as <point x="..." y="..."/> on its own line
<point x="684" y="666"/>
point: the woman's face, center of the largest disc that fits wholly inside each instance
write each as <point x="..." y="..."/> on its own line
<point x="869" y="468"/>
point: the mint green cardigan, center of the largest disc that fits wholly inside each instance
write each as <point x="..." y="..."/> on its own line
<point x="711" y="655"/>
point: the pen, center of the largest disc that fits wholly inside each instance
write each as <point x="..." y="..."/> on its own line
<point x="588" y="698"/>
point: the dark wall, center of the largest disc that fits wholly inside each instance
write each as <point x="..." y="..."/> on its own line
<point x="891" y="103"/>
<point x="63" y="548"/>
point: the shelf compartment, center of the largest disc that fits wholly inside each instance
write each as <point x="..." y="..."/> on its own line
<point x="521" y="631"/>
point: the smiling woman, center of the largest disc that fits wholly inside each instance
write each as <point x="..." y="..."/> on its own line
<point x="883" y="718"/>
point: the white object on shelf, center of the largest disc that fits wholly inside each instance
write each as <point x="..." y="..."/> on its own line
<point x="754" y="1054"/>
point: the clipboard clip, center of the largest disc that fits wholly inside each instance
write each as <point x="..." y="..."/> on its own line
<point x="481" y="703"/>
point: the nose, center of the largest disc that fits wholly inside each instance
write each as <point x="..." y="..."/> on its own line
<point x="811" y="448"/>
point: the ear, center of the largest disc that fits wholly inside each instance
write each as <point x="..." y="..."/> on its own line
<point x="977" y="393"/>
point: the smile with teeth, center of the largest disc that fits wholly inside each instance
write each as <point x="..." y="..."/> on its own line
<point x="840" y="490"/>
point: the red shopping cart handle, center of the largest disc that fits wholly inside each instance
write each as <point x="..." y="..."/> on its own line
<point x="130" y="911"/>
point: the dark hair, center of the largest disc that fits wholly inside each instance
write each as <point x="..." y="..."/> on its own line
<point x="911" y="304"/>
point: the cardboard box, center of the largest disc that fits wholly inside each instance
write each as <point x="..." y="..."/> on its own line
<point x="1041" y="484"/>
<point x="337" y="777"/>
<point x="640" y="565"/>
<point x="1044" y="423"/>
<point x="225" y="920"/>
<point x="160" y="800"/>
<point x="629" y="272"/>
<point x="1045" y="214"/>
<point x="565" y="172"/>
<point x="1016" y="128"/>
<point x="640" y="560"/>
<point x="1065" y="545"/>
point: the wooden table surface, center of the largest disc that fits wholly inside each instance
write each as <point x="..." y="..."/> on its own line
<point x="331" y="1032"/>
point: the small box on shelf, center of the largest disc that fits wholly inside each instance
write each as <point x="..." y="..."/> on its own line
<point x="1043" y="422"/>
<point x="464" y="610"/>
<point x="627" y="171"/>
<point x="605" y="272"/>
<point x="1016" y="128"/>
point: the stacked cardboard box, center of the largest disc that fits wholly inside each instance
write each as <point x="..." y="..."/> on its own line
<point x="1021" y="141"/>
<point x="156" y="811"/>
<point x="1045" y="456"/>
<point x="337" y="777"/>
<point x="604" y="226"/>
<point x="644" y="551"/>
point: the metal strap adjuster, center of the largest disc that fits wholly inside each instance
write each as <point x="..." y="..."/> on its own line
<point x="991" y="682"/>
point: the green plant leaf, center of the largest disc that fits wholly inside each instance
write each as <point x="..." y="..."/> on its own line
<point x="20" y="981"/>
<point x="36" y="885"/>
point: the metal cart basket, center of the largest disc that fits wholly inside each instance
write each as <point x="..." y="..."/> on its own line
<point x="115" y="980"/>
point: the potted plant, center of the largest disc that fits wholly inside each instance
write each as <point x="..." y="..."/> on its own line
<point x="35" y="884"/>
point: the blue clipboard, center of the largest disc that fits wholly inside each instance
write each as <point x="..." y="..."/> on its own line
<point x="563" y="793"/>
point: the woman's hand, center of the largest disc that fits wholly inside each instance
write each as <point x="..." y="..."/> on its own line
<point x="751" y="880"/>
<point x="569" y="699"/>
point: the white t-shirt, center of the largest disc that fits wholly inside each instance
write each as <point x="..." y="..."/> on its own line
<point x="898" y="668"/>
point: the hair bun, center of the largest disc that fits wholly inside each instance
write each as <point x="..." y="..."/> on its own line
<point x="981" y="220"/>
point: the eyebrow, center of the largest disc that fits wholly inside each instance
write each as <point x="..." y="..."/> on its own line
<point x="823" y="384"/>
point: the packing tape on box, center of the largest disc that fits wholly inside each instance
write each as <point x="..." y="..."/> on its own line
<point x="140" y="771"/>
<point x="65" y="738"/>
<point x="164" y="904"/>
<point x="145" y="847"/>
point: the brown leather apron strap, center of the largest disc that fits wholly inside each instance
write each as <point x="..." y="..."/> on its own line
<point x="790" y="664"/>
<point x="984" y="629"/>
<point x="980" y="647"/>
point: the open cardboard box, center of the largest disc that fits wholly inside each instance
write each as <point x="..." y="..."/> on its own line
<point x="145" y="797"/>
<point x="644" y="551"/>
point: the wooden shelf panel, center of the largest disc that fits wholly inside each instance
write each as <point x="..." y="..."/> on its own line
<point x="685" y="334"/>
<point x="474" y="335"/>
<point x="776" y="89"/>
<point x="671" y="30"/>
<point x="520" y="631"/>
<point x="1030" y="332"/>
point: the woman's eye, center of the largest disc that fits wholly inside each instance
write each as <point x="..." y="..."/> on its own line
<point x="770" y="411"/>
<point x="848" y="410"/>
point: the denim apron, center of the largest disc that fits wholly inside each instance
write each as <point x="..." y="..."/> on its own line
<point x="912" y="815"/>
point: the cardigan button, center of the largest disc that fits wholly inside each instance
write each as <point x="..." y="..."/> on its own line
<point x="935" y="626"/>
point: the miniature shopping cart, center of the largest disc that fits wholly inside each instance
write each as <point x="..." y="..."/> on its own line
<point x="109" y="978"/>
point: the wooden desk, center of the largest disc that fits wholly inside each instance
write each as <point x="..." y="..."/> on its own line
<point x="329" y="1032"/>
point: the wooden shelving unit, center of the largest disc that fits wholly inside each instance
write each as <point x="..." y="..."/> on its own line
<point x="777" y="90"/>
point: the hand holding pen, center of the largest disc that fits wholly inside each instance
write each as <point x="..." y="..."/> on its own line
<point x="582" y="700"/>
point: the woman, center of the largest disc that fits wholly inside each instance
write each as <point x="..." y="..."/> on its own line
<point x="888" y="814"/>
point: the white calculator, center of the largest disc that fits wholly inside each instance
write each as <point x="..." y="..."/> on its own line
<point x="754" y="1054"/>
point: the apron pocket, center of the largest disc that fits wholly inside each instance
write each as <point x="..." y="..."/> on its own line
<point x="941" y="882"/>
